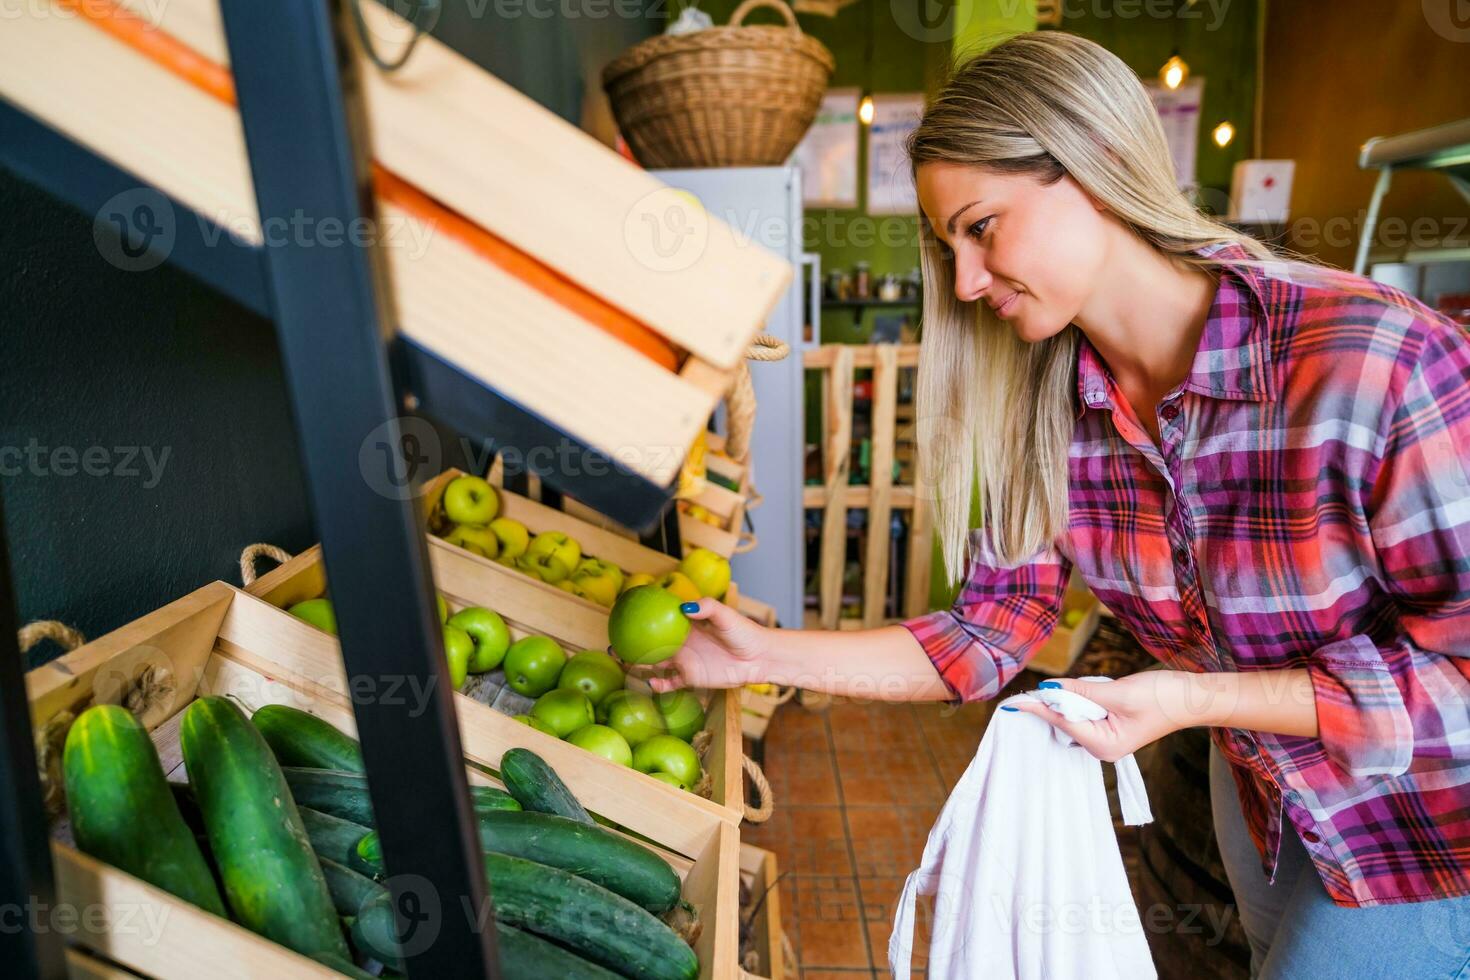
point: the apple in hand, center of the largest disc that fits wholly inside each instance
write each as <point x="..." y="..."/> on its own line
<point x="603" y="741"/>
<point x="594" y="673"/>
<point x="532" y="665"/>
<point x="535" y="723"/>
<point x="545" y="566"/>
<point x="479" y="540"/>
<point x="709" y="572"/>
<point x="679" y="585"/>
<point x="513" y="535"/>
<point x="559" y="545"/>
<point x="667" y="754"/>
<point x="683" y="714"/>
<point x="470" y="500"/>
<point x="491" y="636"/>
<point x="458" y="648"/>
<point x="563" y="710"/>
<point x="636" y="718"/>
<point x="646" y="625"/>
<point x="317" y="612"/>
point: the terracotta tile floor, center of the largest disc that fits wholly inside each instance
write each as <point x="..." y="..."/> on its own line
<point x="858" y="786"/>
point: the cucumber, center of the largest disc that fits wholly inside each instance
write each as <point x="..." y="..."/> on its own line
<point x="367" y="856"/>
<point x="331" y="837"/>
<point x="350" y="890"/>
<point x="588" y="919"/>
<point x="273" y="883"/>
<point x="522" y="955"/>
<point x="618" y="864"/>
<point x="301" y="739"/>
<point x="536" y="786"/>
<point x="345" y="794"/>
<point x="123" y="811"/>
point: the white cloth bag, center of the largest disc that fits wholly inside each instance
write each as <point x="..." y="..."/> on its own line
<point x="1024" y="864"/>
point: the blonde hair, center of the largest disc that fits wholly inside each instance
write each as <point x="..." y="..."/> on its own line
<point x="1044" y="104"/>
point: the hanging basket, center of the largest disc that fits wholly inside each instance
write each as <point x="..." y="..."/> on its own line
<point x="721" y="97"/>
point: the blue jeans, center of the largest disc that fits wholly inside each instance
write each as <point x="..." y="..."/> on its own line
<point x="1297" y="933"/>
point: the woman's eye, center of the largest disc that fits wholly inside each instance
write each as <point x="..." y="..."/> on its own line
<point x="979" y="227"/>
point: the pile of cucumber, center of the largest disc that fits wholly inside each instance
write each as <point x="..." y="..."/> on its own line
<point x="275" y="831"/>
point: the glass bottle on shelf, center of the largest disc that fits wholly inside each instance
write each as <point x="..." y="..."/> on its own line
<point x="861" y="284"/>
<point x="888" y="288"/>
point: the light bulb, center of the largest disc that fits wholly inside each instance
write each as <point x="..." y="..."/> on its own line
<point x="1174" y="72"/>
<point x="865" y="110"/>
<point x="1223" y="134"/>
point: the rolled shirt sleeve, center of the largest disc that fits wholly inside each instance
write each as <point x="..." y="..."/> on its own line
<point x="1000" y="618"/>
<point x="1379" y="705"/>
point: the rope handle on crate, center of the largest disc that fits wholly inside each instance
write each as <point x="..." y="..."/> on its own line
<point x="51" y="739"/>
<point x="741" y="399"/>
<point x="252" y="552"/>
<point x="64" y="636"/>
<point x="738" y="17"/>
<point x="762" y="811"/>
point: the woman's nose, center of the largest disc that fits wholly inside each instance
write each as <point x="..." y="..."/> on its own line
<point x="971" y="278"/>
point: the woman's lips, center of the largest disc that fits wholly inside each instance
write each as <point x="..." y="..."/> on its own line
<point x="1005" y="308"/>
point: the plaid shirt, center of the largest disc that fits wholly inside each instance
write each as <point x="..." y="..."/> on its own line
<point x="1308" y="507"/>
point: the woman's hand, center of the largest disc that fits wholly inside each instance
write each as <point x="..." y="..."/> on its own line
<point x="724" y="649"/>
<point x="1142" y="708"/>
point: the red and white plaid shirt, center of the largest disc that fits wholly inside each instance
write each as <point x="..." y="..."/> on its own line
<point x="1308" y="507"/>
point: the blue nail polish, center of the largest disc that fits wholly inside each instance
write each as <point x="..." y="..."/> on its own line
<point x="689" y="607"/>
<point x="1006" y="707"/>
<point x="1051" y="684"/>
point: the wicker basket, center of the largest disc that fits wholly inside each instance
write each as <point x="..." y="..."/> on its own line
<point x="721" y="97"/>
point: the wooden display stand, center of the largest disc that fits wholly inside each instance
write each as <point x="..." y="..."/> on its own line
<point x="880" y="498"/>
<point x="221" y="641"/>
<point x="759" y="875"/>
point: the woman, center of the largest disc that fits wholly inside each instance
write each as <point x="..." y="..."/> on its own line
<point x="1262" y="467"/>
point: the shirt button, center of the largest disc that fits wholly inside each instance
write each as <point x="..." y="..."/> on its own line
<point x="1311" y="836"/>
<point x="1170" y="412"/>
<point x="1181" y="555"/>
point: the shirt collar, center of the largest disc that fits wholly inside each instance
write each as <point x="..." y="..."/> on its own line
<point x="1234" y="357"/>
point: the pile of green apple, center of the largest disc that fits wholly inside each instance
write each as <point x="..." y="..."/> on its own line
<point x="583" y="701"/>
<point x="471" y="507"/>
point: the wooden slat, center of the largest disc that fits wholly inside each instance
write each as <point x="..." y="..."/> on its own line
<point x="826" y="355"/>
<point x="857" y="497"/>
<point x="920" y="552"/>
<point x="880" y="477"/>
<point x="82" y="966"/>
<point x="837" y="460"/>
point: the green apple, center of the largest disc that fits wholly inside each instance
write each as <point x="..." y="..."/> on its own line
<point x="603" y="568"/>
<point x="513" y="535"/>
<point x="603" y="741"/>
<point x="566" y="586"/>
<point x="443" y="605"/>
<point x="564" y="710"/>
<point x="317" y="612"/>
<point x="1072" y="617"/>
<point x="537" y="724"/>
<point x="479" y="540"/>
<point x="678" y="584"/>
<point x="595" y="585"/>
<point x="594" y="673"/>
<point x="532" y="665"/>
<point x="665" y="753"/>
<point x="646" y="625"/>
<point x="458" y="649"/>
<point x="673" y="781"/>
<point x="558" y="544"/>
<point x="635" y="580"/>
<point x="491" y="636"/>
<point x="683" y="714"/>
<point x="601" y="708"/>
<point x="636" y="718"/>
<point x="470" y="500"/>
<point x="709" y="572"/>
<point x="545" y="566"/>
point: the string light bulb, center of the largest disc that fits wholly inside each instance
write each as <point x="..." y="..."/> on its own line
<point x="1174" y="71"/>
<point x="1223" y="134"/>
<point x="865" y="110"/>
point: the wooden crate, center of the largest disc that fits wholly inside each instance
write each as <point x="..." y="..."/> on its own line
<point x="1066" y="643"/>
<point x="531" y="606"/>
<point x="758" y="874"/>
<point x="880" y="498"/>
<point x="223" y="641"/>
